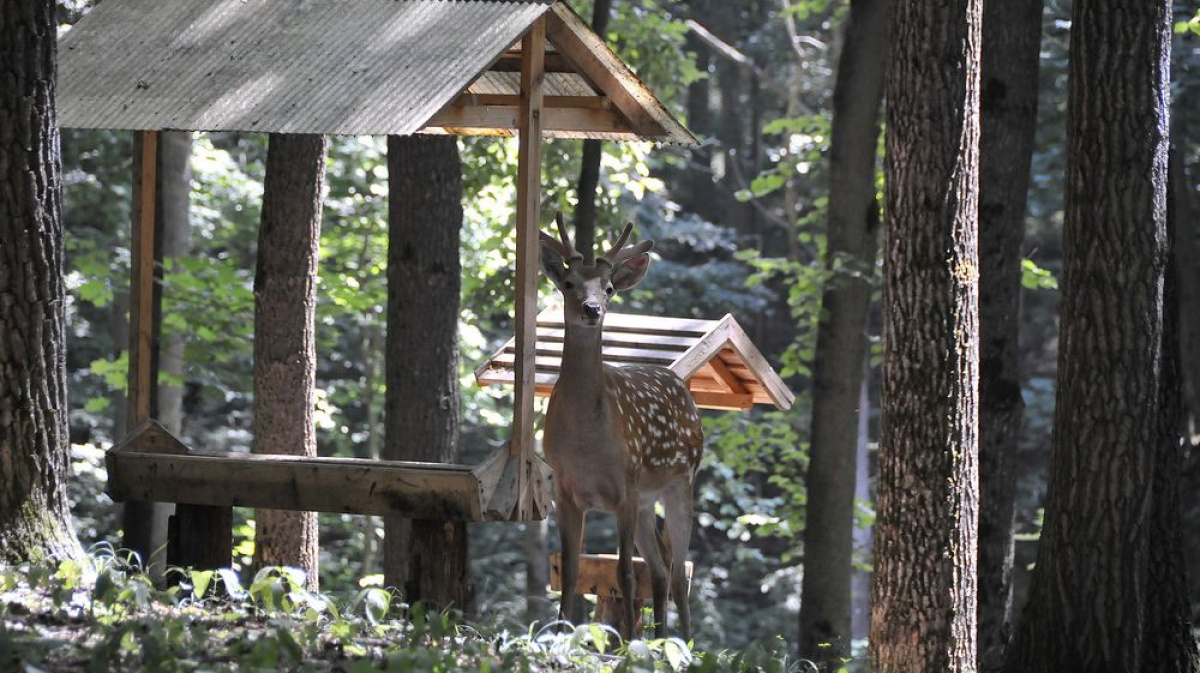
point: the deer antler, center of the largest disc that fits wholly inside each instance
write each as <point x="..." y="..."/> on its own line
<point x="619" y="253"/>
<point x="564" y="246"/>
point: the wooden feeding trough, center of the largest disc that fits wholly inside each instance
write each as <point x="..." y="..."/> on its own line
<point x="722" y="367"/>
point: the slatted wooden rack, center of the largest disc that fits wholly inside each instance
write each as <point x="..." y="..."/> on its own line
<point x="723" y="368"/>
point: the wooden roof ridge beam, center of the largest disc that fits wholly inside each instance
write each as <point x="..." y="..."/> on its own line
<point x="593" y="59"/>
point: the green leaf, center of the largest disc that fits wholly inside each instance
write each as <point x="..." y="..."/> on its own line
<point x="200" y="582"/>
<point x="1034" y="277"/>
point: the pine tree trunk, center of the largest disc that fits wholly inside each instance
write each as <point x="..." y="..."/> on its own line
<point x="924" y="613"/>
<point x="426" y="559"/>
<point x="35" y="520"/>
<point x="1184" y="227"/>
<point x="1108" y="591"/>
<point x="285" y="364"/>
<point x="1011" y="38"/>
<point x="589" y="164"/>
<point x="825" y="608"/>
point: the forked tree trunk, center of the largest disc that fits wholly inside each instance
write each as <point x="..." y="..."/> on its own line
<point x="1108" y="591"/>
<point x="1011" y="38"/>
<point x="825" y="608"/>
<point x="425" y="559"/>
<point x="285" y="364"/>
<point x="924" y="612"/>
<point x="35" y="521"/>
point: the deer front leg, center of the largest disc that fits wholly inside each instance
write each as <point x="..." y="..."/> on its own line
<point x="570" y="531"/>
<point x="650" y="549"/>
<point x="626" y="534"/>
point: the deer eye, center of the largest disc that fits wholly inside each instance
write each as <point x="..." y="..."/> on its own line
<point x="609" y="290"/>
<point x="568" y="285"/>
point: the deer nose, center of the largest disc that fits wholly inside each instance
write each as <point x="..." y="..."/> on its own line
<point x="591" y="309"/>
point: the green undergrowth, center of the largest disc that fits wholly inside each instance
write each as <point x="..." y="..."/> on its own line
<point x="103" y="614"/>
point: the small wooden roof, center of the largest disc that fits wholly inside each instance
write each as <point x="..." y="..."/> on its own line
<point x="722" y="367"/>
<point x="366" y="67"/>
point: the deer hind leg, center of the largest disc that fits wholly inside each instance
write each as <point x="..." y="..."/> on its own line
<point x="627" y="519"/>
<point x="649" y="548"/>
<point x="570" y="531"/>
<point x="677" y="506"/>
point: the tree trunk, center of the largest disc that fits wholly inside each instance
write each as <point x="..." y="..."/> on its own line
<point x="426" y="559"/>
<point x="924" y="612"/>
<point x="864" y="538"/>
<point x="1184" y="227"/>
<point x="589" y="166"/>
<point x="538" y="608"/>
<point x="825" y="608"/>
<point x="285" y="364"/>
<point x="1108" y="591"/>
<point x="1011" y="38"/>
<point x="35" y="520"/>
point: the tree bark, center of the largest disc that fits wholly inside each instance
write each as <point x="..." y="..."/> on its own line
<point x="35" y="520"/>
<point x="285" y="365"/>
<point x="1184" y="227"/>
<point x="589" y="165"/>
<point x="1011" y="39"/>
<point x="426" y="559"/>
<point x="924" y="612"/>
<point x="1108" y="591"/>
<point x="826" y="608"/>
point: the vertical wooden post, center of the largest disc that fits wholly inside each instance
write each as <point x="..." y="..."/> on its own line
<point x="529" y="173"/>
<point x="199" y="536"/>
<point x="138" y="519"/>
<point x="141" y="382"/>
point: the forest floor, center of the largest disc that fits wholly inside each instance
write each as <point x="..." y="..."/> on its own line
<point x="101" y="615"/>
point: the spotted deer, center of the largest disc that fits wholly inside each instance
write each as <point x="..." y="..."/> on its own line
<point x="619" y="439"/>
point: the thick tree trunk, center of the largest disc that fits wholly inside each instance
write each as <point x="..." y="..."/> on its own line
<point x="864" y="538"/>
<point x="1108" y="591"/>
<point x="1185" y="227"/>
<point x="35" y="520"/>
<point x="825" y="608"/>
<point x="1011" y="38"/>
<point x="285" y="364"/>
<point x="924" y="612"/>
<point x="426" y="559"/>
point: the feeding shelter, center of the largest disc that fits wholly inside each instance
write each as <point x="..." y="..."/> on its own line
<point x="530" y="68"/>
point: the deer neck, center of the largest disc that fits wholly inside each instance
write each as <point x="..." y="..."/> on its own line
<point x="582" y="373"/>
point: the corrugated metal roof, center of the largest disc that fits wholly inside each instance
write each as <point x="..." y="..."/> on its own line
<point x="296" y="66"/>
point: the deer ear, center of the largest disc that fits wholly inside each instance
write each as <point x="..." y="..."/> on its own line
<point x="630" y="272"/>
<point x="551" y="259"/>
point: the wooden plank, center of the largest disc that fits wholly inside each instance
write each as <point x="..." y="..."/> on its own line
<point x="140" y="387"/>
<point x="529" y="177"/>
<point x="588" y="54"/>
<point x="629" y="322"/>
<point x="598" y="575"/>
<point x="723" y="375"/>
<point x="749" y="353"/>
<point x="502" y="119"/>
<point x="296" y="483"/>
<point x="723" y="401"/>
<point x="704" y="350"/>
<point x="552" y="353"/>
<point x="548" y="102"/>
<point x="626" y="339"/>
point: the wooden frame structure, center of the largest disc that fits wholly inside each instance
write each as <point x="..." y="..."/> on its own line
<point x="528" y="68"/>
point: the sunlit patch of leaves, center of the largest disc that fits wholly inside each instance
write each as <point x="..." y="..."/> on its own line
<point x="103" y="614"/>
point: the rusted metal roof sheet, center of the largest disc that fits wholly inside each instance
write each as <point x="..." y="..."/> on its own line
<point x="290" y="66"/>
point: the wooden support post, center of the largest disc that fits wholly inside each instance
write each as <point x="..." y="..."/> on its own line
<point x="529" y="174"/>
<point x="197" y="536"/>
<point x="138" y="520"/>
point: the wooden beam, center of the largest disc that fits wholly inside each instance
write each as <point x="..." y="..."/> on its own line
<point x="586" y="52"/>
<point x="140" y="382"/>
<point x="723" y="401"/>
<point x="503" y="119"/>
<point x="297" y="483"/>
<point x="548" y="102"/>
<point x="529" y="177"/>
<point x="721" y="372"/>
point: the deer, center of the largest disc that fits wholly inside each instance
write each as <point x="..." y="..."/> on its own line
<point x="618" y="439"/>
